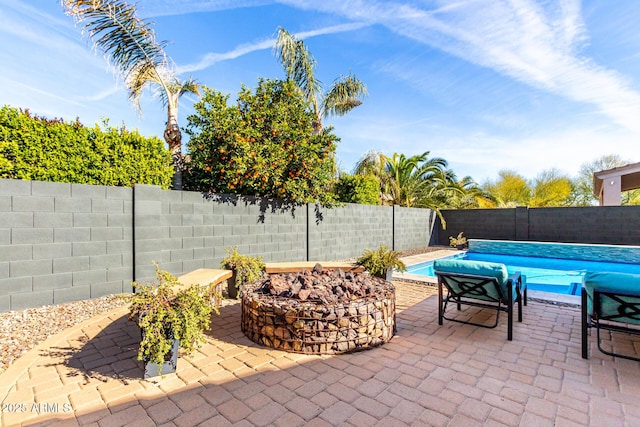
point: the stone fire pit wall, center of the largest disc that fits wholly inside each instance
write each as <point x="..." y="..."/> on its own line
<point x="317" y="327"/>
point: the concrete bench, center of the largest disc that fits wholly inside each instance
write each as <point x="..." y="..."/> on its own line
<point x="294" y="267"/>
<point x="206" y="277"/>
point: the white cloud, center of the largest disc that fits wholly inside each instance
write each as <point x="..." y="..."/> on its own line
<point x="183" y="7"/>
<point x="212" y="58"/>
<point x="480" y="154"/>
<point x="489" y="154"/>
<point x="534" y="43"/>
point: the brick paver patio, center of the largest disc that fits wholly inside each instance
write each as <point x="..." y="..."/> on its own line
<point x="450" y="375"/>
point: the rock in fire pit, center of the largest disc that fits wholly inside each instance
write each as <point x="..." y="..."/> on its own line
<point x="319" y="311"/>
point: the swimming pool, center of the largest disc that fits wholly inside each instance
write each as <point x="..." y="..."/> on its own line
<point x="562" y="276"/>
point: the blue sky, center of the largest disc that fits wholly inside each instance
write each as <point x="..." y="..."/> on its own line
<point x="486" y="84"/>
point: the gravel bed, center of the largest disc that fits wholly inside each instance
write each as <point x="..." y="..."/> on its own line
<point x="20" y="331"/>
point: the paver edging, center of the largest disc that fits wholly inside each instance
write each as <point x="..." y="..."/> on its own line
<point x="19" y="368"/>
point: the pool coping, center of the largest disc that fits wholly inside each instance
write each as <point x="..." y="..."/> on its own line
<point x="550" y="297"/>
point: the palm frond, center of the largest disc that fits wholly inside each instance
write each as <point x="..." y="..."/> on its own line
<point x="190" y="86"/>
<point x="115" y="29"/>
<point x="299" y="66"/>
<point x="139" y="78"/>
<point x="343" y="96"/>
<point x="175" y="88"/>
<point x="370" y="164"/>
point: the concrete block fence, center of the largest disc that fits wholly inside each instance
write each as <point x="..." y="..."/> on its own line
<point x="608" y="225"/>
<point x="64" y="242"/>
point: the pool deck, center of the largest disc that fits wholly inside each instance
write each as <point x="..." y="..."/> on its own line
<point x="449" y="375"/>
<point x="430" y="256"/>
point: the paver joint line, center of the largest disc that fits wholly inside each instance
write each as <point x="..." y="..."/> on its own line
<point x="426" y="373"/>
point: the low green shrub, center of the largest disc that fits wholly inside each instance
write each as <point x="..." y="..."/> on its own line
<point x="460" y="240"/>
<point x="164" y="314"/>
<point x="378" y="261"/>
<point x="247" y="268"/>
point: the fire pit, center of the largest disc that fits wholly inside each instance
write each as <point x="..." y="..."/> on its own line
<point x="319" y="311"/>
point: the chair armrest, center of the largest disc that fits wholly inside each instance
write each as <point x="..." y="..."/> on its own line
<point x="516" y="277"/>
<point x="517" y="282"/>
<point x="614" y="305"/>
<point x="635" y="294"/>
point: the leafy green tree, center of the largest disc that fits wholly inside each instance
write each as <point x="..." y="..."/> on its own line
<point x="362" y="189"/>
<point x="262" y="146"/>
<point x="37" y="148"/>
<point x="551" y="188"/>
<point x="583" y="184"/>
<point x="130" y="45"/>
<point x="630" y="198"/>
<point x="299" y="65"/>
<point x="509" y="190"/>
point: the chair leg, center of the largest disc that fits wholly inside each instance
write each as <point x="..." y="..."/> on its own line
<point x="584" y="318"/>
<point x="519" y="298"/>
<point x="440" y="302"/>
<point x="510" y="313"/>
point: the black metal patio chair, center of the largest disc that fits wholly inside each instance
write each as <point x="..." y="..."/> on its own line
<point x="611" y="302"/>
<point x="479" y="284"/>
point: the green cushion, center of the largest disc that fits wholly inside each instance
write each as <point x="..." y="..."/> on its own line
<point x="620" y="282"/>
<point x="476" y="268"/>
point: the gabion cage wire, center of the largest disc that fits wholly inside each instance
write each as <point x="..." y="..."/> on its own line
<point x="317" y="327"/>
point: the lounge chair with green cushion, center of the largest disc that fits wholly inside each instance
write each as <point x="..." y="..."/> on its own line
<point x="610" y="301"/>
<point x="479" y="284"/>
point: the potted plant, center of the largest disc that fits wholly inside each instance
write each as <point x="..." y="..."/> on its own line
<point x="459" y="242"/>
<point x="381" y="262"/>
<point x="245" y="269"/>
<point x="168" y="320"/>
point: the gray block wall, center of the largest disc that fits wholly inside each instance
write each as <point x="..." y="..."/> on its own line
<point x="610" y="225"/>
<point x="183" y="231"/>
<point x="63" y="242"/>
<point x="498" y="224"/>
<point x="413" y="227"/>
<point x="345" y="232"/>
<point x="617" y="225"/>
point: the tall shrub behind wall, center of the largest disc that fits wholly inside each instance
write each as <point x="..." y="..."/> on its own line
<point x="36" y="148"/>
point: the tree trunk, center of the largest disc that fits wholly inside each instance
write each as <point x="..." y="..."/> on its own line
<point x="173" y="138"/>
<point x="317" y="127"/>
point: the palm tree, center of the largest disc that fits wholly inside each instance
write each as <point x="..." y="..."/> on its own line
<point x="466" y="194"/>
<point x="299" y="65"/>
<point x="416" y="181"/>
<point x="130" y="45"/>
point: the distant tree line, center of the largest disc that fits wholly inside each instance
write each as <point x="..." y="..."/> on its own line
<point x="552" y="187"/>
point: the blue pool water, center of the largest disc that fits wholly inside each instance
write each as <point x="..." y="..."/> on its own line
<point x="563" y="276"/>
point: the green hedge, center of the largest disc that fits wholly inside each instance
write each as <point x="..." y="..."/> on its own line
<point x="362" y="189"/>
<point x="40" y="149"/>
